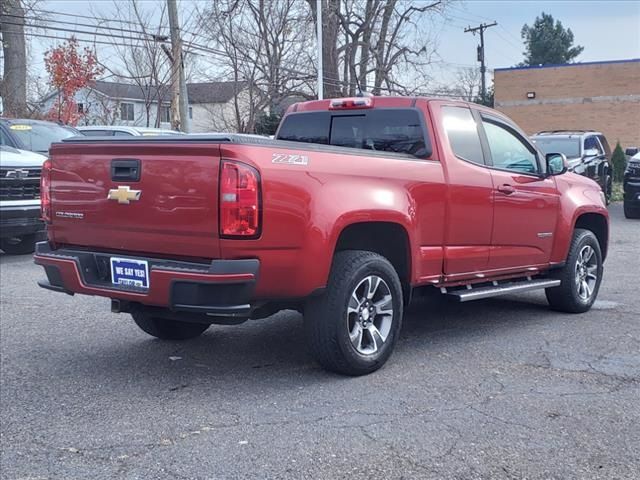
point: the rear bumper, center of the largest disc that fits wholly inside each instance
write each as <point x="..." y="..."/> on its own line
<point x="16" y="221"/>
<point x="223" y="287"/>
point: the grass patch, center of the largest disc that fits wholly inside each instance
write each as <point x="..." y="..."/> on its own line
<point x="617" y="192"/>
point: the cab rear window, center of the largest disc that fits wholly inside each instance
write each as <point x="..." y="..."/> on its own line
<point x="387" y="130"/>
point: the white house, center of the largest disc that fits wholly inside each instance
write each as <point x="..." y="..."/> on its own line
<point x="211" y="105"/>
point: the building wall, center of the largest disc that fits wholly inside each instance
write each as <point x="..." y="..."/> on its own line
<point x="102" y="110"/>
<point x="219" y="117"/>
<point x="601" y="96"/>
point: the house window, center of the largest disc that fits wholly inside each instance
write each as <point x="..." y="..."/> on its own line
<point x="126" y="111"/>
<point x="81" y="108"/>
<point x="190" y="113"/>
<point x="165" y="114"/>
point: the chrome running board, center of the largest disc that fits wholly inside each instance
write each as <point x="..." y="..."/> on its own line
<point x="476" y="293"/>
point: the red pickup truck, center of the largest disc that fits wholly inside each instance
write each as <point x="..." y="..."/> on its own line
<point x="356" y="205"/>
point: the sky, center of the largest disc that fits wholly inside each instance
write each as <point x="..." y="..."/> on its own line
<point x="608" y="29"/>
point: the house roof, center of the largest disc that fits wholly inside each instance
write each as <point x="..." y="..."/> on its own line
<point x="213" y="92"/>
<point x="208" y="92"/>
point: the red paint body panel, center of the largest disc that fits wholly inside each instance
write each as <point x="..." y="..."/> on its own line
<point x="460" y="227"/>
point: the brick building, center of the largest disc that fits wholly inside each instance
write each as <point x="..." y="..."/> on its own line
<point x="602" y="96"/>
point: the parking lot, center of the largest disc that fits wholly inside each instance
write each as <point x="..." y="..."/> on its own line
<point x="502" y="388"/>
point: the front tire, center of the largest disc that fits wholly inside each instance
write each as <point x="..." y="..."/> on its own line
<point x="581" y="275"/>
<point x="353" y="327"/>
<point x="631" y="212"/>
<point x="166" y="329"/>
<point x="19" y="245"/>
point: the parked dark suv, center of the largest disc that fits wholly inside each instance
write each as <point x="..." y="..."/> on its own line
<point x="587" y="152"/>
<point x="632" y="188"/>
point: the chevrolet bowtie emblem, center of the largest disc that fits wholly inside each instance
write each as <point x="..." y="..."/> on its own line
<point x="124" y="195"/>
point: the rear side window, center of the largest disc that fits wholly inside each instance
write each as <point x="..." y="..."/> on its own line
<point x="386" y="130"/>
<point x="97" y="133"/>
<point x="310" y="127"/>
<point x="462" y="132"/>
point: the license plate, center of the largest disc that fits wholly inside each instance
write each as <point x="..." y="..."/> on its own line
<point x="129" y="272"/>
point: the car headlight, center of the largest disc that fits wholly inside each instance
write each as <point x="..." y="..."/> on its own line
<point x="603" y="197"/>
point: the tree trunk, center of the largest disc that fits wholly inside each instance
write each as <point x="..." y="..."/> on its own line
<point x="14" y="84"/>
<point x="330" y="32"/>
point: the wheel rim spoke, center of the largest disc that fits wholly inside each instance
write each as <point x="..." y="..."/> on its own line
<point x="370" y="315"/>
<point x="384" y="306"/>
<point x="376" y="338"/>
<point x="354" y="303"/>
<point x="372" y="287"/>
<point x="356" y="336"/>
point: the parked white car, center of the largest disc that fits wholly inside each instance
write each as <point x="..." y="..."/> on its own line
<point x="124" y="131"/>
<point x="20" y="223"/>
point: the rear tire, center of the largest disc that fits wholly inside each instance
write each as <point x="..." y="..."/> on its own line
<point x="166" y="329"/>
<point x="352" y="328"/>
<point x="581" y="275"/>
<point x="19" y="245"/>
<point x="631" y="212"/>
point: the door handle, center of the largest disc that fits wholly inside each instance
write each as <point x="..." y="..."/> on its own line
<point x="125" y="170"/>
<point x="506" y="189"/>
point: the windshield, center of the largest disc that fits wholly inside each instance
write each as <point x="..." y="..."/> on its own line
<point x="38" y="137"/>
<point x="569" y="146"/>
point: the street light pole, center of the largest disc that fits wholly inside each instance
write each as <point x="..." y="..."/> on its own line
<point x="319" y="35"/>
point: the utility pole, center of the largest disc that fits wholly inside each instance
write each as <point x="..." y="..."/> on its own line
<point x="179" y="100"/>
<point x="483" y="69"/>
<point x="319" y="35"/>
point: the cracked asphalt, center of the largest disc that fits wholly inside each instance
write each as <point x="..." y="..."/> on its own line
<point x="500" y="388"/>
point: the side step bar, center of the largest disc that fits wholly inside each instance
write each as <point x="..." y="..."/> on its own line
<point x="471" y="293"/>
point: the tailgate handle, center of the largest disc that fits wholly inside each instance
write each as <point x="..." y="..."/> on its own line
<point x="125" y="170"/>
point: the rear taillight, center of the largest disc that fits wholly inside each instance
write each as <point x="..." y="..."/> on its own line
<point x="239" y="200"/>
<point x="45" y="191"/>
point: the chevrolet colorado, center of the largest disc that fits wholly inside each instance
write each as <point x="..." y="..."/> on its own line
<point x="357" y="204"/>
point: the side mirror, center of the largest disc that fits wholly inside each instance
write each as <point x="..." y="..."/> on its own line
<point x="556" y="163"/>
<point x="591" y="152"/>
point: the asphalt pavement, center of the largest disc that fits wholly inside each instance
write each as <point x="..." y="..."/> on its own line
<point x="500" y="388"/>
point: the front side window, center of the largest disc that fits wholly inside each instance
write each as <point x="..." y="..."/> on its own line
<point x="591" y="143"/>
<point x="126" y="111"/>
<point x="605" y="145"/>
<point x="462" y="132"/>
<point x="509" y="152"/>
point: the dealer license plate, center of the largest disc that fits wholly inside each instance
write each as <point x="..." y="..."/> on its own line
<point x="129" y="272"/>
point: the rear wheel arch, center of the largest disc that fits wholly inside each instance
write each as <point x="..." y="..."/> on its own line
<point x="597" y="224"/>
<point x="388" y="239"/>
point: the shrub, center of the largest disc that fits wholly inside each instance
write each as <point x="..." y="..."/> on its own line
<point x="619" y="161"/>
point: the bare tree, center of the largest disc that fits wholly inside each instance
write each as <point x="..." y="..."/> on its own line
<point x="141" y="59"/>
<point x="263" y="48"/>
<point x="13" y="88"/>
<point x="381" y="45"/>
<point x="468" y="83"/>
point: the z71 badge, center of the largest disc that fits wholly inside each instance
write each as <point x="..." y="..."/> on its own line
<point x="290" y="159"/>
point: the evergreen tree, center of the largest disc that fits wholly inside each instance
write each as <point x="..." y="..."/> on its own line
<point x="548" y="42"/>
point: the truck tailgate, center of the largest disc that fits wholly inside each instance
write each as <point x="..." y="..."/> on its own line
<point x="171" y="209"/>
